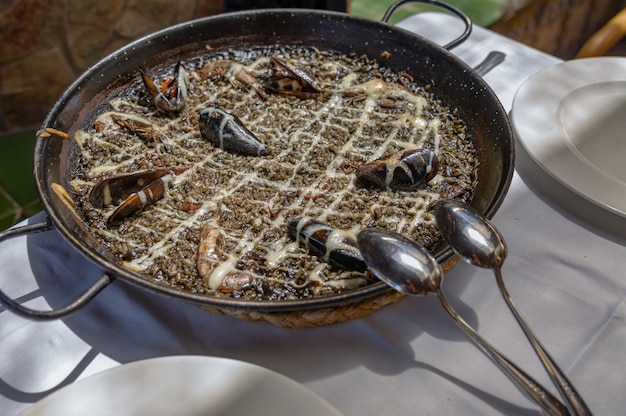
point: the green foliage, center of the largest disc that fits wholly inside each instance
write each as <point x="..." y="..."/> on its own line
<point x="482" y="12"/>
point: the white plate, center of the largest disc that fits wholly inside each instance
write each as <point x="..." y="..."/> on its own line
<point x="571" y="119"/>
<point x="184" y="385"/>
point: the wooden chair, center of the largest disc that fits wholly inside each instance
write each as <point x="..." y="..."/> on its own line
<point x="606" y="38"/>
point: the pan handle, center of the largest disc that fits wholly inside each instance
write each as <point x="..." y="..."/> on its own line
<point x="465" y="18"/>
<point x="37" y="315"/>
<point x="492" y="60"/>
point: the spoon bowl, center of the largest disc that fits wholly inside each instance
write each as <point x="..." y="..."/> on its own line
<point x="470" y="234"/>
<point x="405" y="266"/>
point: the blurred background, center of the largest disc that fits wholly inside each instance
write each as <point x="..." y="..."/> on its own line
<point x="46" y="44"/>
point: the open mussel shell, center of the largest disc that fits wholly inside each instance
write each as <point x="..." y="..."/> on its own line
<point x="113" y="190"/>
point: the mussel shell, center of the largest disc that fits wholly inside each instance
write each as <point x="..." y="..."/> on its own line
<point x="328" y="243"/>
<point x="404" y="171"/>
<point x="226" y="131"/>
<point x="113" y="190"/>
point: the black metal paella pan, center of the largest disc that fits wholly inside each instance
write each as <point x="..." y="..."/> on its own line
<point x="450" y="80"/>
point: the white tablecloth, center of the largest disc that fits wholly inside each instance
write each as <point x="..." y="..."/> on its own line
<point x="565" y="275"/>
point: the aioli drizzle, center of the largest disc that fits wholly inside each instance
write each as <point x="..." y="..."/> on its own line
<point x="327" y="193"/>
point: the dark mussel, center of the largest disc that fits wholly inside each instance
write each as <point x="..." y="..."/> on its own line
<point x="147" y="195"/>
<point x="171" y="97"/>
<point x="132" y="191"/>
<point x="406" y="170"/>
<point x="335" y="246"/>
<point x="114" y="190"/>
<point x="226" y="131"/>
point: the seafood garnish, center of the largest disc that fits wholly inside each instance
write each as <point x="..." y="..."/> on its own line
<point x="236" y="74"/>
<point x="335" y="246"/>
<point x="49" y="131"/>
<point x="374" y="88"/>
<point x="138" y="200"/>
<point x="210" y="250"/>
<point x="406" y="170"/>
<point x="140" y="126"/>
<point x="226" y="131"/>
<point x="134" y="190"/>
<point x="384" y="94"/>
<point x="114" y="190"/>
<point x="65" y="197"/>
<point x="210" y="254"/>
<point x="170" y="98"/>
<point x="297" y="82"/>
<point x="236" y="282"/>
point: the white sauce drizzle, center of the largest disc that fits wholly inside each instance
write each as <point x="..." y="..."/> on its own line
<point x="316" y="125"/>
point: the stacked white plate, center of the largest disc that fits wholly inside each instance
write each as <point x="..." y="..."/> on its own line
<point x="571" y="120"/>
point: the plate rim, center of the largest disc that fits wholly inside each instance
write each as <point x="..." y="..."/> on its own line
<point x="48" y="403"/>
<point x="610" y="69"/>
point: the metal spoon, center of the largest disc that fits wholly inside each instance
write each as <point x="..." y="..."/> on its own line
<point x="478" y="242"/>
<point x="410" y="269"/>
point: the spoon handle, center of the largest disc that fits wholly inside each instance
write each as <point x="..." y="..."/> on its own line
<point x="550" y="404"/>
<point x="574" y="401"/>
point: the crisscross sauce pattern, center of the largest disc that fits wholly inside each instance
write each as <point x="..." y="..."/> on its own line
<point x="315" y="146"/>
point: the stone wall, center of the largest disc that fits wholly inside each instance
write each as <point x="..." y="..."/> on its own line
<point x="45" y="45"/>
